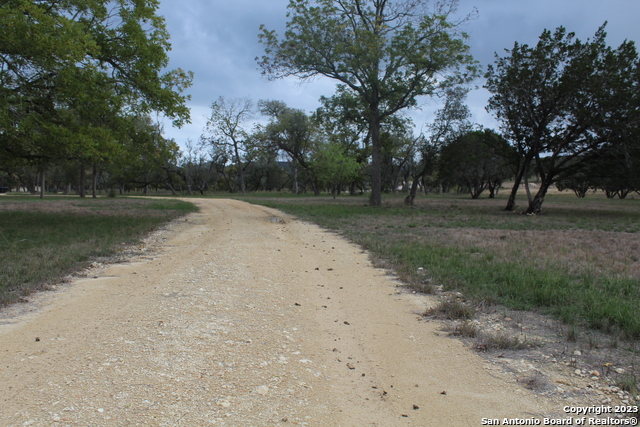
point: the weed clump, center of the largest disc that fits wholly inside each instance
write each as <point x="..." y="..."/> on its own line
<point x="503" y="341"/>
<point x="466" y="329"/>
<point x="536" y="381"/>
<point x="628" y="383"/>
<point x="451" y="310"/>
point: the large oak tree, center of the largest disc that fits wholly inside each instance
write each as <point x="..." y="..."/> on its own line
<point x="386" y="52"/>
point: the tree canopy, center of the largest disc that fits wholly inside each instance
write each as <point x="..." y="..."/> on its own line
<point x="475" y="160"/>
<point x="71" y="73"/>
<point x="563" y="102"/>
<point x="227" y="128"/>
<point x="386" y="52"/>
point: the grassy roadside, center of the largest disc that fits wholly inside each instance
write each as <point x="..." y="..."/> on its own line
<point x="42" y="240"/>
<point x="578" y="261"/>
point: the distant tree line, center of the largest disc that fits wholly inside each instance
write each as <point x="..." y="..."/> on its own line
<point x="81" y="81"/>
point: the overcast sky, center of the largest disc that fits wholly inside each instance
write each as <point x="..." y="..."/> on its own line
<point x="218" y="41"/>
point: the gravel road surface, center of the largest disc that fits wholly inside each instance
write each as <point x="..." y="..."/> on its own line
<point x="243" y="316"/>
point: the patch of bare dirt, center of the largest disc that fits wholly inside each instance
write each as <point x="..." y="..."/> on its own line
<point x="566" y="364"/>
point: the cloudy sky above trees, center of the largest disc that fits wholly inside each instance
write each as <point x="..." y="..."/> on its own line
<point x="218" y="41"/>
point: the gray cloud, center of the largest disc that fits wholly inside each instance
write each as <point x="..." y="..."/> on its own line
<point x="218" y="41"/>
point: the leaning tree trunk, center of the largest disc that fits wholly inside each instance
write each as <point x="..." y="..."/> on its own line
<point x="315" y="187"/>
<point x="535" y="206"/>
<point x="411" y="197"/>
<point x="511" y="203"/>
<point x="170" y="182"/>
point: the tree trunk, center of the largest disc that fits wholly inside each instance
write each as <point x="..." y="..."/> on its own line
<point x="227" y="179"/>
<point x="526" y="186"/>
<point x="42" y="183"/>
<point x="94" y="183"/>
<point x="394" y="183"/>
<point x="511" y="203"/>
<point x="535" y="206"/>
<point x="170" y="182"/>
<point x="82" y="178"/>
<point x="32" y="185"/>
<point x="316" y="188"/>
<point x="296" y="189"/>
<point x="410" y="199"/>
<point x="494" y="187"/>
<point x="376" y="160"/>
<point x="352" y="189"/>
<point x="189" y="190"/>
<point x="243" y="188"/>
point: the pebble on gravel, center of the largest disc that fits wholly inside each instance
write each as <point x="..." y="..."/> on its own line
<point x="263" y="390"/>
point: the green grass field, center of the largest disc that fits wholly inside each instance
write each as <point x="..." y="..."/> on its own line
<point x="42" y="240"/>
<point x="578" y="261"/>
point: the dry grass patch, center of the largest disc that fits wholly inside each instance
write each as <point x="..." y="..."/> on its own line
<point x="503" y="340"/>
<point x="451" y="310"/>
<point x="42" y="240"/>
<point x="465" y="329"/>
<point x="579" y="252"/>
<point x="535" y="381"/>
<point x="101" y="206"/>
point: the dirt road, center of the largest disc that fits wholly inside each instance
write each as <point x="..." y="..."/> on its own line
<point x="244" y="317"/>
